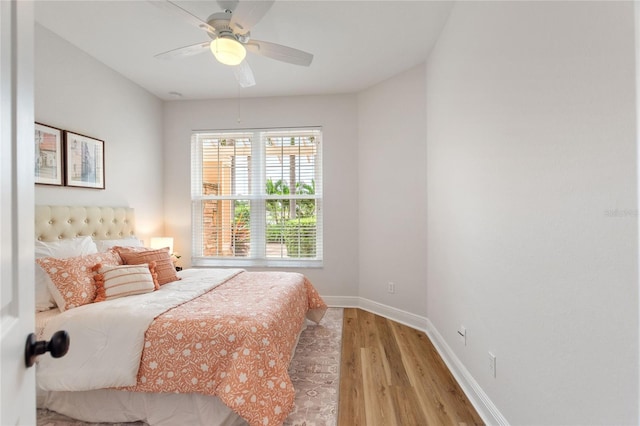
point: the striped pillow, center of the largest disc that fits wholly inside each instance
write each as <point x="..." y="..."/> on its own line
<point x="164" y="265"/>
<point x="124" y="280"/>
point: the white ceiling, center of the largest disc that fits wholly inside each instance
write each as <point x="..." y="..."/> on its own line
<point x="356" y="44"/>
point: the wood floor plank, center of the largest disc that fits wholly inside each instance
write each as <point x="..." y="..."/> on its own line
<point x="408" y="405"/>
<point x="368" y="331"/>
<point x="392" y="375"/>
<point x="423" y="380"/>
<point x="396" y="374"/>
<point x="378" y="398"/>
<point x="351" y="406"/>
<point x="454" y="402"/>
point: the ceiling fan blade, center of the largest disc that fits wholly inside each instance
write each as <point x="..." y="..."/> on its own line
<point x="247" y="14"/>
<point x="244" y="75"/>
<point x="181" y="52"/>
<point x="183" y="14"/>
<point x="279" y="52"/>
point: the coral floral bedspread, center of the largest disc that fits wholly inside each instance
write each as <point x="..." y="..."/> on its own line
<point x="234" y="342"/>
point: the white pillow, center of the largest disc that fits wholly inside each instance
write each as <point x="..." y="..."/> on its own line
<point x="104" y="245"/>
<point x="60" y="249"/>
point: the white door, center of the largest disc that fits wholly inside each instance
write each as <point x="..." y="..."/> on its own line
<point x="17" y="383"/>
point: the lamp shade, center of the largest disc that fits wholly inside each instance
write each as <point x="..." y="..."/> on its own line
<point x="228" y="50"/>
<point x="162" y="242"/>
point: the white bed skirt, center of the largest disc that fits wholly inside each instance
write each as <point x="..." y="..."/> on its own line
<point x="164" y="409"/>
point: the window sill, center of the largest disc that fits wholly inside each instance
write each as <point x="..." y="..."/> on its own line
<point x="259" y="263"/>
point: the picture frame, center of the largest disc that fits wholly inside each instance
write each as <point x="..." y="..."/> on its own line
<point x="48" y="161"/>
<point x="84" y="158"/>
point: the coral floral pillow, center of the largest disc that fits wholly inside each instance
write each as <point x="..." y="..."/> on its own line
<point x="72" y="283"/>
<point x="164" y="265"/>
<point x="124" y="280"/>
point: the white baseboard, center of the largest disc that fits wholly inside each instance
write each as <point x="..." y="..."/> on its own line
<point x="478" y="398"/>
<point x="397" y="315"/>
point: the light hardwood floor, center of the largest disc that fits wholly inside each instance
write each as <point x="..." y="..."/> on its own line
<point x="392" y="375"/>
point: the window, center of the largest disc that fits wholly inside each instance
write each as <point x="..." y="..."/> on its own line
<point x="256" y="198"/>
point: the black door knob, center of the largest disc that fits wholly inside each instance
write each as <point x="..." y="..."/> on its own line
<point x="58" y="346"/>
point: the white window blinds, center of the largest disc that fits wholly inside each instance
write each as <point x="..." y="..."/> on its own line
<point x="257" y="198"/>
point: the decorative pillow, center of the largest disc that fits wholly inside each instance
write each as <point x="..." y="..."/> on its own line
<point x="164" y="266"/>
<point x="104" y="245"/>
<point x="124" y="280"/>
<point x="72" y="282"/>
<point x="60" y="249"/>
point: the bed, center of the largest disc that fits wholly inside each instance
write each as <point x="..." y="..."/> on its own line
<point x="207" y="346"/>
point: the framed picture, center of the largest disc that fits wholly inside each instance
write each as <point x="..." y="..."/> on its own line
<point x="48" y="158"/>
<point x="84" y="161"/>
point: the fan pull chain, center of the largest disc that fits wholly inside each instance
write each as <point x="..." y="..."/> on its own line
<point x="239" y="120"/>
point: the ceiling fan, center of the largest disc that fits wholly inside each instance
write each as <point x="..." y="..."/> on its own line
<point x="230" y="33"/>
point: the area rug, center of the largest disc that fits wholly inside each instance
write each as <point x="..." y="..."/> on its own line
<point x="314" y="371"/>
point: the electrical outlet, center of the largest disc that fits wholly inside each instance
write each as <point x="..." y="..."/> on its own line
<point x="391" y="287"/>
<point x="462" y="335"/>
<point x="492" y="364"/>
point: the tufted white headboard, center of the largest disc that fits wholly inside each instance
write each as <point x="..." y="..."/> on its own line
<point x="102" y="223"/>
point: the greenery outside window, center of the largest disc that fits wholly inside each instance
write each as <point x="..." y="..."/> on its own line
<point x="256" y="197"/>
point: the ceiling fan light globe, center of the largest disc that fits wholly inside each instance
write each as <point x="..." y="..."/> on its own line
<point x="228" y="51"/>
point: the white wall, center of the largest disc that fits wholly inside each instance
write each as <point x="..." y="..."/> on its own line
<point x="75" y="92"/>
<point x="392" y="154"/>
<point x="531" y="149"/>
<point x="338" y="118"/>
